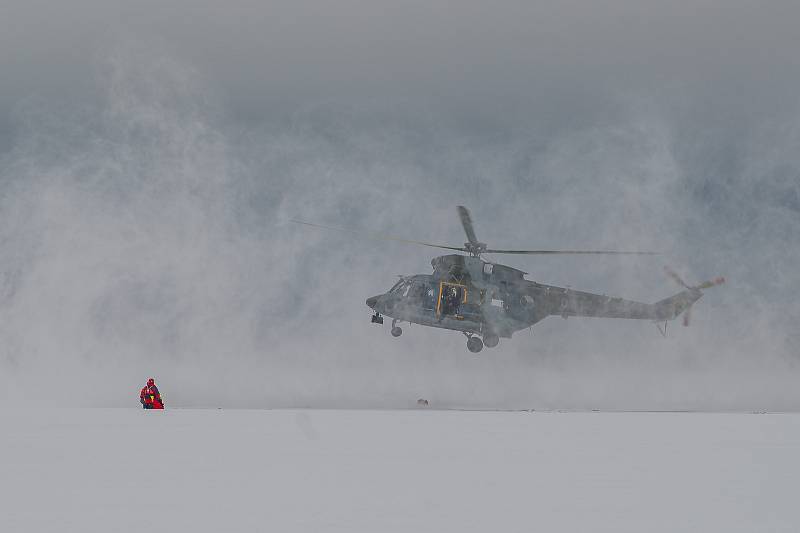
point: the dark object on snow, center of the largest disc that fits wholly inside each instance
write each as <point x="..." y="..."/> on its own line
<point x="422" y="402"/>
<point x="149" y="396"/>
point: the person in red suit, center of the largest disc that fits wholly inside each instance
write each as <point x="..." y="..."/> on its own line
<point x="149" y="396"/>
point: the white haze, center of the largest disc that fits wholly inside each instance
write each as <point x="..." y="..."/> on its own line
<point x="152" y="158"/>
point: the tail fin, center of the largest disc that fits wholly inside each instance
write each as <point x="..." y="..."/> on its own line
<point x="670" y="308"/>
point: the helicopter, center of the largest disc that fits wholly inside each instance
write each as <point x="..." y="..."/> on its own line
<point x="486" y="300"/>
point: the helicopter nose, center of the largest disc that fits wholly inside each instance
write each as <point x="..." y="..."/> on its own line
<point x="371" y="301"/>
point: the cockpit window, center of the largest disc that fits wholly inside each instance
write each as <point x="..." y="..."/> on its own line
<point x="401" y="287"/>
<point x="396" y="286"/>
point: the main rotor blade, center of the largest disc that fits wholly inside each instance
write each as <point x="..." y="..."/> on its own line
<point x="379" y="236"/>
<point x="466" y="221"/>
<point x="567" y="252"/>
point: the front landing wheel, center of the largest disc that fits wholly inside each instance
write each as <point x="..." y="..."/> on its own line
<point x="397" y="331"/>
<point x="474" y="344"/>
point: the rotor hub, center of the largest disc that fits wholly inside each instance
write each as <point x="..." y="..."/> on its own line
<point x="475" y="249"/>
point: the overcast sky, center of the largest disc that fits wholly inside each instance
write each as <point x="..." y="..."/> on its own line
<point x="152" y="152"/>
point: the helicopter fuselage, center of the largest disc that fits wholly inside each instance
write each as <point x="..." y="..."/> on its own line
<point x="476" y="297"/>
<point x="465" y="294"/>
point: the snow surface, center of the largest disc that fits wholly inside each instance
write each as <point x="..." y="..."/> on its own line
<point x="110" y="470"/>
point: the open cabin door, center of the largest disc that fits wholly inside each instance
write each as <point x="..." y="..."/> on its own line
<point x="451" y="297"/>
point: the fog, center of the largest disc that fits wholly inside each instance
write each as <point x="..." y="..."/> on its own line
<point x="152" y="154"/>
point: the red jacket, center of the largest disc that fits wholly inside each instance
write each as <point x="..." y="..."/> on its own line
<point x="150" y="397"/>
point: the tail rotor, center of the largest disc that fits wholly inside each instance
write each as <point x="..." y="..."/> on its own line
<point x="687" y="315"/>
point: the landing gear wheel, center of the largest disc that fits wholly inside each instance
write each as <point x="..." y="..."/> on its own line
<point x="397" y="331"/>
<point x="474" y="344"/>
<point x="490" y="340"/>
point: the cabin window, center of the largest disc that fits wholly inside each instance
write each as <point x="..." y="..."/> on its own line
<point x="418" y="290"/>
<point x="423" y="294"/>
<point x="428" y="297"/>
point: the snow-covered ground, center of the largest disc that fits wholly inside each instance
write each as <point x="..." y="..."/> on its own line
<point x="119" y="470"/>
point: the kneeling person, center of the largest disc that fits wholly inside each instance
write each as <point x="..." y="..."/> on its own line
<point x="149" y="396"/>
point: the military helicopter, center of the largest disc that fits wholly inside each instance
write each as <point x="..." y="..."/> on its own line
<point x="486" y="301"/>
